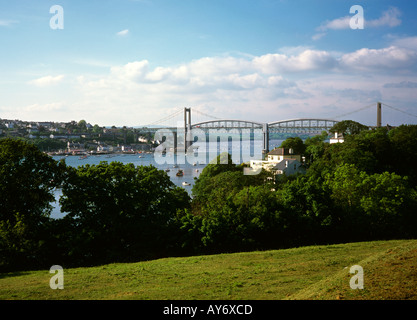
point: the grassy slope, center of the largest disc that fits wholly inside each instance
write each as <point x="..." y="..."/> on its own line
<point x="315" y="272"/>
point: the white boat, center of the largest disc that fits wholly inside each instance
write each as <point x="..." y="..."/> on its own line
<point x="186" y="183"/>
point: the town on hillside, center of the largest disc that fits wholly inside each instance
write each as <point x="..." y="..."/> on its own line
<point x="76" y="138"/>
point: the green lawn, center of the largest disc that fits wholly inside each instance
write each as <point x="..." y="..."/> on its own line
<point x="314" y="272"/>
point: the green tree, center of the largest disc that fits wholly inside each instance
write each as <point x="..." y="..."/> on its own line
<point x="27" y="180"/>
<point x="243" y="220"/>
<point x="82" y="125"/>
<point x="221" y="179"/>
<point x="97" y="129"/>
<point x="359" y="150"/>
<point x="403" y="153"/>
<point x="295" y="143"/>
<point x="204" y="184"/>
<point x="315" y="147"/>
<point x="390" y="205"/>
<point x="348" y="127"/>
<point x="120" y="212"/>
<point x="372" y="206"/>
<point x="308" y="211"/>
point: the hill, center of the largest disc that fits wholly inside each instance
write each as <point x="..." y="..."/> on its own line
<point x="313" y="272"/>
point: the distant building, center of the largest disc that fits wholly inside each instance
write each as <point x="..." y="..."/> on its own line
<point x="279" y="154"/>
<point x="127" y="148"/>
<point x="280" y="161"/>
<point x="288" y="167"/>
<point x="102" y="148"/>
<point x="338" y="138"/>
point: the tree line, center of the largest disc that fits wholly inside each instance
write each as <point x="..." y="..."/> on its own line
<point x="360" y="190"/>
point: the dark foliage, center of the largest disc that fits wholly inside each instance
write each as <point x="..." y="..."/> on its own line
<point x="360" y="190"/>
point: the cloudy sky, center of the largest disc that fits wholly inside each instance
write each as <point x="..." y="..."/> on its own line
<point x="132" y="62"/>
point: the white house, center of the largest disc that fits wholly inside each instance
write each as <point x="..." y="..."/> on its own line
<point x="289" y="167"/>
<point x="101" y="148"/>
<point x="10" y="125"/>
<point x="338" y="138"/>
<point x="280" y="161"/>
<point x="279" y="154"/>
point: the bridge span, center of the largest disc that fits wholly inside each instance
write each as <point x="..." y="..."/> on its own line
<point x="301" y="126"/>
<point x="308" y="125"/>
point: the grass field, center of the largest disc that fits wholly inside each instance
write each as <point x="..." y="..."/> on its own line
<point x="314" y="272"/>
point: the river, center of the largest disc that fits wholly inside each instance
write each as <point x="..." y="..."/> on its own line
<point x="191" y="167"/>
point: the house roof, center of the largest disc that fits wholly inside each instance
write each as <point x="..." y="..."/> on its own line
<point x="280" y="152"/>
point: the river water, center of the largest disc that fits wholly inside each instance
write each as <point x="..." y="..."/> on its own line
<point x="192" y="167"/>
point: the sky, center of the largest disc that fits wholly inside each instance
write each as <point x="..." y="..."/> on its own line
<point x="133" y="62"/>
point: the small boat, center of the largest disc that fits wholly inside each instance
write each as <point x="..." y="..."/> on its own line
<point x="185" y="183"/>
<point x="175" y="166"/>
<point x="167" y="170"/>
<point x="83" y="157"/>
<point x="180" y="173"/>
<point x="194" y="164"/>
<point x="196" y="170"/>
<point x="140" y="156"/>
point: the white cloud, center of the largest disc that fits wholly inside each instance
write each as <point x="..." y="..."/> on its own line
<point x="391" y="58"/>
<point x="336" y="24"/>
<point x="123" y="33"/>
<point x="318" y="36"/>
<point x="47" y="81"/>
<point x="297" y="82"/>
<point x="308" y="60"/>
<point x="408" y="43"/>
<point x="133" y="70"/>
<point x="36" y="107"/>
<point x="7" y="23"/>
<point x="389" y="18"/>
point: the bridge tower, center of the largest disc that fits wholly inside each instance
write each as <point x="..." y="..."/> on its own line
<point x="265" y="140"/>
<point x="187" y="128"/>
<point x="378" y="115"/>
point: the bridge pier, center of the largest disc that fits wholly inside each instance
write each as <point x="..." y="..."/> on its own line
<point x="265" y="140"/>
<point x="378" y="115"/>
<point x="187" y="128"/>
<point x="175" y="134"/>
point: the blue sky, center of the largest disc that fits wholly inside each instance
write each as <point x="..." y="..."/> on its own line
<point x="131" y="62"/>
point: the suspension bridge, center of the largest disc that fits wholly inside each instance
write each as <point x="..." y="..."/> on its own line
<point x="308" y="126"/>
